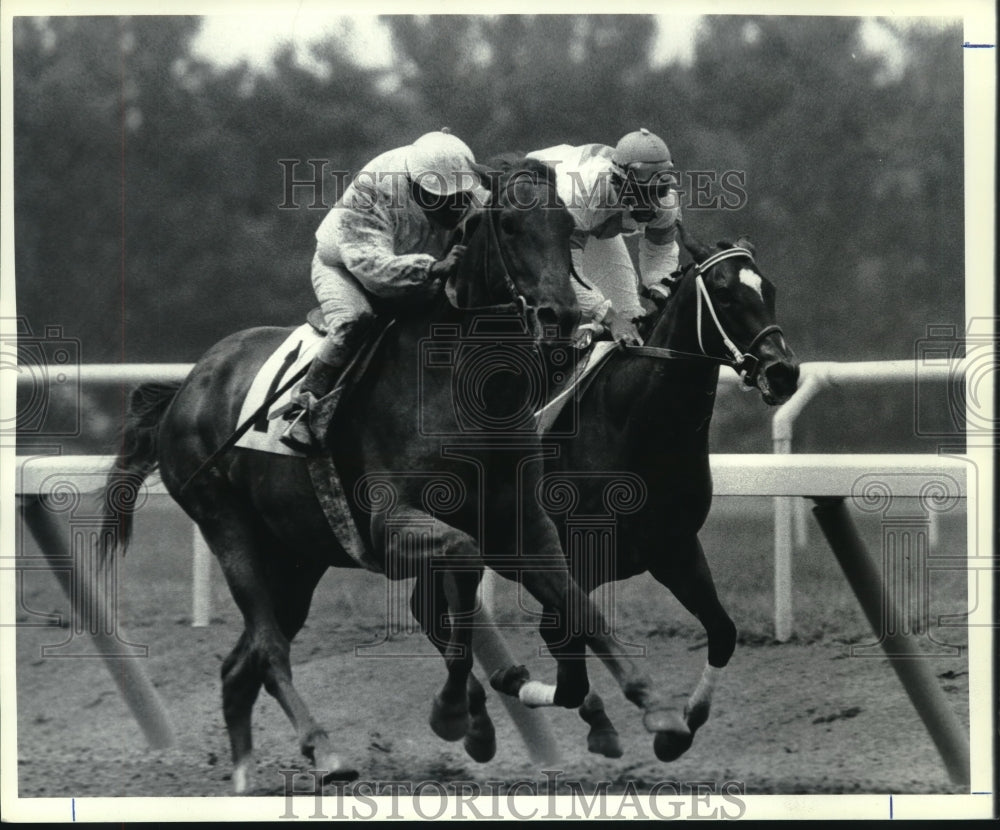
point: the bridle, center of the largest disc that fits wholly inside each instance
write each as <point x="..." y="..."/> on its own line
<point x="745" y="362"/>
<point x="519" y="305"/>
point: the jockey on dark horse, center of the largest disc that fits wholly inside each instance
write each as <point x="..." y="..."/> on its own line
<point x="387" y="237"/>
<point x="612" y="192"/>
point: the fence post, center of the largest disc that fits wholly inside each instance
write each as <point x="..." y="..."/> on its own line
<point x="201" y="581"/>
<point x="90" y="611"/>
<point x="784" y="508"/>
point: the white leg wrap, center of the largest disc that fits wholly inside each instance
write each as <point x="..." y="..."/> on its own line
<point x="706" y="685"/>
<point x="535" y="693"/>
<point x="241" y="776"/>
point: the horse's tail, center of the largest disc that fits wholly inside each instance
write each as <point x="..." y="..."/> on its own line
<point x="137" y="458"/>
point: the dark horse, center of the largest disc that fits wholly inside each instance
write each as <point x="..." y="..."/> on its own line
<point x="260" y="515"/>
<point x="647" y="413"/>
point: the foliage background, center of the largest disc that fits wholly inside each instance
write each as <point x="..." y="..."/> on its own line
<point x="148" y="182"/>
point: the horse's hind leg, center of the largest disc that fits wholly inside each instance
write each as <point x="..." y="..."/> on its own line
<point x="274" y="597"/>
<point x="686" y="573"/>
<point x="428" y="604"/>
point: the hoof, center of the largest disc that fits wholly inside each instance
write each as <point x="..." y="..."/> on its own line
<point x="510" y="680"/>
<point x="450" y="721"/>
<point x="481" y="741"/>
<point x="334" y="768"/>
<point x="669" y="744"/>
<point x="673" y="737"/>
<point x="605" y="742"/>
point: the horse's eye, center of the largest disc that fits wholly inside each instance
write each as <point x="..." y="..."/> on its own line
<point x="722" y="291"/>
<point x="508" y="224"/>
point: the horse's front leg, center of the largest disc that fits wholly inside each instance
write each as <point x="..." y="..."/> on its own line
<point x="578" y="621"/>
<point x="686" y="574"/>
<point x="426" y="604"/>
<point x="603" y="738"/>
<point x="448" y="567"/>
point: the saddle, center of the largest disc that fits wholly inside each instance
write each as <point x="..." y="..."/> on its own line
<point x="591" y="361"/>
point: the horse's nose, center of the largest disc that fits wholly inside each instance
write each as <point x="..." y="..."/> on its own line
<point x="783" y="379"/>
<point x="558" y="323"/>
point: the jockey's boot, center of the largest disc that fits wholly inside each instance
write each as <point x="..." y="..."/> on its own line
<point x="319" y="380"/>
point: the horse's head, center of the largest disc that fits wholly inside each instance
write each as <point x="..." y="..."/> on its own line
<point x="723" y="307"/>
<point x="519" y="251"/>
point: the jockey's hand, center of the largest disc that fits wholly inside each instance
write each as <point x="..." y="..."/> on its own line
<point x="621" y="330"/>
<point x="586" y="333"/>
<point x="444" y="268"/>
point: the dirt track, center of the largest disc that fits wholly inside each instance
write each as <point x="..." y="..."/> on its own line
<point x="787" y="719"/>
<point x="800" y="717"/>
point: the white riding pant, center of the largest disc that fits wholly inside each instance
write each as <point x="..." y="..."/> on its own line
<point x="346" y="310"/>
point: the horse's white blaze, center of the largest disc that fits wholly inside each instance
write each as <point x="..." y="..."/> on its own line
<point x="749" y="278"/>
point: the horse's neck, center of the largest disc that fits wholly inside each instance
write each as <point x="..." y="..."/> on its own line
<point x="474" y="273"/>
<point x="676" y="325"/>
<point x="673" y="396"/>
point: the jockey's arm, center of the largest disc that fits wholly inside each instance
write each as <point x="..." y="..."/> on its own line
<point x="362" y="240"/>
<point x="659" y="253"/>
<point x="592" y="302"/>
<point x="598" y="311"/>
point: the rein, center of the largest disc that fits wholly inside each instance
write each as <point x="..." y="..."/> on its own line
<point x="520" y="305"/>
<point x="744" y="362"/>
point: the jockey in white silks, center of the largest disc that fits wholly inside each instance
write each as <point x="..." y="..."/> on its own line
<point x="388" y="236"/>
<point x="612" y="192"/>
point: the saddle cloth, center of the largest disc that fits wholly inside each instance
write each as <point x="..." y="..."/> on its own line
<point x="586" y="371"/>
<point x="295" y="352"/>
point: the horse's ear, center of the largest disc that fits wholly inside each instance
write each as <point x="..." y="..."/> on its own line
<point x="487" y="177"/>
<point x="482" y="173"/>
<point x="744" y="242"/>
<point x="698" y="251"/>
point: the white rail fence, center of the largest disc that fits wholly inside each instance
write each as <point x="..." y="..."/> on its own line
<point x="789" y="518"/>
<point x="790" y="509"/>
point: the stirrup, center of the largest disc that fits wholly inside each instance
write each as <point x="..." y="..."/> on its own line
<point x="286" y="411"/>
<point x="294" y="443"/>
<point x="294" y="407"/>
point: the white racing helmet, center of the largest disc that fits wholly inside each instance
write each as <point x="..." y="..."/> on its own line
<point x="441" y="164"/>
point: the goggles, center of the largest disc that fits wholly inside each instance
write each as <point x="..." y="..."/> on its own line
<point x="644" y="194"/>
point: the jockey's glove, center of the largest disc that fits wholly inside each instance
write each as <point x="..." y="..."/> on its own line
<point x="446" y="267"/>
<point x="620" y="329"/>
<point x="659" y="292"/>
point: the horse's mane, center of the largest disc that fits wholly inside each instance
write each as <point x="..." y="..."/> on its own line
<point x="646" y="322"/>
<point x="509" y="163"/>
